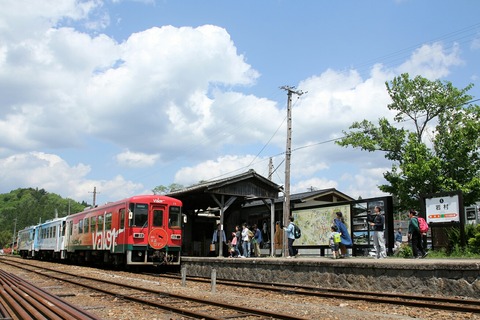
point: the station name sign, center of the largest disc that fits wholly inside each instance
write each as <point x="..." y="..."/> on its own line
<point x="442" y="209"/>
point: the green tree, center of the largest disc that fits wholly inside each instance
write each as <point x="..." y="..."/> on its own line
<point x="423" y="160"/>
<point x="24" y="207"/>
<point x="161" y="189"/>
<point x="5" y="239"/>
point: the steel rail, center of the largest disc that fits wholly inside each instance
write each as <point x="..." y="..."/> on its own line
<point x="244" y="310"/>
<point x="440" y="303"/>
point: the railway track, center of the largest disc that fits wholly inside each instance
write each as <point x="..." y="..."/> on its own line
<point x="412" y="300"/>
<point x="193" y="307"/>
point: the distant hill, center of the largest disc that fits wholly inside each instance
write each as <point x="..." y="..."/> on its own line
<point x="30" y="206"/>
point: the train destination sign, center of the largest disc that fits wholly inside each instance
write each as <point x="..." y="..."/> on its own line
<point x="442" y="209"/>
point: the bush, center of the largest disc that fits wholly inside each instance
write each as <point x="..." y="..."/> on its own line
<point x="472" y="233"/>
<point x="405" y="251"/>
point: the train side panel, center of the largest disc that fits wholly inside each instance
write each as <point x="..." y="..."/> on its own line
<point x="141" y="230"/>
<point x="25" y="242"/>
<point x="51" y="240"/>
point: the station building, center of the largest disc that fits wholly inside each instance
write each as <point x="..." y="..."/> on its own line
<point x="245" y="198"/>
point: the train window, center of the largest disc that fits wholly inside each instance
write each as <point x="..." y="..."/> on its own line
<point x="100" y="223"/>
<point x="93" y="222"/>
<point x="80" y="226"/>
<point x="108" y="221"/>
<point x="175" y="217"/>
<point x="157" y="217"/>
<point x="140" y="214"/>
<point x="54" y="233"/>
<point x="85" y="225"/>
<point x="122" y="219"/>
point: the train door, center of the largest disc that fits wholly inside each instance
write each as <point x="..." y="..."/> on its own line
<point x="122" y="236"/>
<point x="61" y="237"/>
<point x="36" y="240"/>
<point x="158" y="236"/>
<point x="31" y="242"/>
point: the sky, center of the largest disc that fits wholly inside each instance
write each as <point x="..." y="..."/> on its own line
<point x="124" y="96"/>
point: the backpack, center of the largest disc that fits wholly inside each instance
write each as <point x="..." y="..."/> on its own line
<point x="422" y="225"/>
<point x="296" y="231"/>
<point x="337" y="237"/>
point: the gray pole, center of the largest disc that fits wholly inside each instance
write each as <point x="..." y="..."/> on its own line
<point x="14" y="231"/>
<point x="94" y="196"/>
<point x="288" y="154"/>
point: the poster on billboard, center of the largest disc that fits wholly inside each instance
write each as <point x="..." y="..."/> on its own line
<point x="442" y="209"/>
<point x="316" y="222"/>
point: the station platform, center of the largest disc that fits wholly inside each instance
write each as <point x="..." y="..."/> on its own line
<point x="448" y="277"/>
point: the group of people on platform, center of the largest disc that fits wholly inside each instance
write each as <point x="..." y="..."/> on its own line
<point x="377" y="222"/>
<point x="245" y="243"/>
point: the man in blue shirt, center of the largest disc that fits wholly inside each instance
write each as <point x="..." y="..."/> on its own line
<point x="291" y="238"/>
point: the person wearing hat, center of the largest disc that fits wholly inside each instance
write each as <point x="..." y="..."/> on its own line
<point x="415" y="236"/>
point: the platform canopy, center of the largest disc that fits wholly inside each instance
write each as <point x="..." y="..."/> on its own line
<point x="245" y="187"/>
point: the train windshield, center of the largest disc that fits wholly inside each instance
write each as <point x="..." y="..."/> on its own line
<point x="175" y="217"/>
<point x="140" y="214"/>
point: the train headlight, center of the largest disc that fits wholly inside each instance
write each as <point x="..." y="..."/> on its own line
<point x="139" y="253"/>
<point x="175" y="237"/>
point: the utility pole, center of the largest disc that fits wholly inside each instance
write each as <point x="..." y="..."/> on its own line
<point x="270" y="169"/>
<point x="94" y="196"/>
<point x="288" y="154"/>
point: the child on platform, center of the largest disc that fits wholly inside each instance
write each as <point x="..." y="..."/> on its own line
<point x="334" y="241"/>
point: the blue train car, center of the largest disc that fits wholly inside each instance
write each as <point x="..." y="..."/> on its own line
<point x="25" y="242"/>
<point x="49" y="240"/>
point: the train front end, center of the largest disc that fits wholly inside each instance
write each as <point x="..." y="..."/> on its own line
<point x="154" y="232"/>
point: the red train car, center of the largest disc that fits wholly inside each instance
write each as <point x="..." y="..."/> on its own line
<point x="141" y="230"/>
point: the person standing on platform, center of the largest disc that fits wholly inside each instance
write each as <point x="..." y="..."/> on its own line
<point x="345" y="239"/>
<point x="398" y="240"/>
<point x="219" y="239"/>
<point x="378" y="233"/>
<point x="237" y="234"/>
<point x="245" y="241"/>
<point x="257" y="240"/>
<point x="415" y="236"/>
<point x="334" y="241"/>
<point x="291" y="238"/>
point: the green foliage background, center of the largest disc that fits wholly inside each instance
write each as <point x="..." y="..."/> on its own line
<point x="432" y="143"/>
<point x="29" y="207"/>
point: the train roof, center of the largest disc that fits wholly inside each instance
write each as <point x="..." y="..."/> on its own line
<point x="137" y="198"/>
